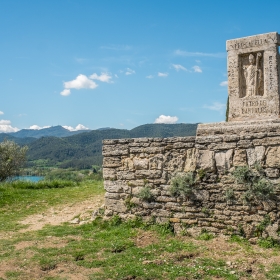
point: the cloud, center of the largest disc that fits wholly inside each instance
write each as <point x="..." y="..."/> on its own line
<point x="81" y="60"/>
<point x="78" y="127"/>
<point x="162" y="74"/>
<point x="117" y="47"/>
<point x="185" y="53"/>
<point x="179" y="67"/>
<point x="224" y="83"/>
<point x="197" y="69"/>
<point x="1" y="113"/>
<point x="216" y="106"/>
<point x="37" y="127"/>
<point x="5" y="126"/>
<point x="129" y="71"/>
<point x="149" y="77"/>
<point x="80" y="82"/>
<point x="166" y="119"/>
<point x="65" y="92"/>
<point x="104" y="77"/>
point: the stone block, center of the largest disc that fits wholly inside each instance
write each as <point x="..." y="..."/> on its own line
<point x="111" y="162"/>
<point x="255" y="155"/>
<point x="272" y="172"/>
<point x="205" y="160"/>
<point x="273" y="157"/>
<point x="240" y="157"/>
<point x="116" y="186"/>
<point x="109" y="173"/>
<point x="125" y="175"/>
<point x="140" y="164"/>
<point x="224" y="160"/>
<point x="148" y="174"/>
<point x="190" y="162"/>
<point x="115" y="205"/>
<point x="222" y="146"/>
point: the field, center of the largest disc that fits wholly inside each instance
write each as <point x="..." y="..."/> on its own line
<point x="42" y="239"/>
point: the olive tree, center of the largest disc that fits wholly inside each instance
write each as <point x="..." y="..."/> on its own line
<point x="12" y="158"/>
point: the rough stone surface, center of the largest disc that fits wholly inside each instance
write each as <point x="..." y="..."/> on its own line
<point x="253" y="80"/>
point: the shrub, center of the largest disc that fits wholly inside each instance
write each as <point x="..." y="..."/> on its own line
<point x="229" y="195"/>
<point x="258" y="187"/>
<point x="146" y="194"/>
<point x="182" y="184"/>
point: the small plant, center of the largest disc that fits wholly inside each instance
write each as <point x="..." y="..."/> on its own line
<point x="182" y="184"/>
<point x="201" y="173"/>
<point x="205" y="235"/>
<point x="262" y="225"/>
<point x="145" y="194"/>
<point x="258" y="187"/>
<point x="268" y="243"/>
<point x="129" y="205"/>
<point x="229" y="195"/>
<point x="206" y="211"/>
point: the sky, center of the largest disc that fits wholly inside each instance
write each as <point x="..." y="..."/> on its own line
<point x="88" y="64"/>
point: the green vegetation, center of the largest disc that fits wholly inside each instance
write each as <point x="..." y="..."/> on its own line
<point x="258" y="187"/>
<point x="182" y="184"/>
<point x="145" y="194"/>
<point x="12" y="158"/>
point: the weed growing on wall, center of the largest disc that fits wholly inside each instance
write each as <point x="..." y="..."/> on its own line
<point x="259" y="188"/>
<point x="182" y="184"/>
<point x="145" y="194"/>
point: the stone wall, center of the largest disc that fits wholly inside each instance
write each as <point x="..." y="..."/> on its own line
<point x="130" y="165"/>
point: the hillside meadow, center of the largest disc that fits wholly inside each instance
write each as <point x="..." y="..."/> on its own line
<point x="42" y="239"/>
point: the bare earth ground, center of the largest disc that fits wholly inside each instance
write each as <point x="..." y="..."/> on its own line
<point x="236" y="256"/>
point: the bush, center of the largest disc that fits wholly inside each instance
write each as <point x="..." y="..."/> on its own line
<point x="146" y="194"/>
<point x="258" y="187"/>
<point x="182" y="184"/>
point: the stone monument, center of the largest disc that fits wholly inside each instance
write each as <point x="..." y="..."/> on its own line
<point x="253" y="86"/>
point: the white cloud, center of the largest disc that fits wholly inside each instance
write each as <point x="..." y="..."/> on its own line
<point x="5" y="126"/>
<point x="216" y="106"/>
<point x="166" y="119"/>
<point x="162" y="74"/>
<point x="179" y="67"/>
<point x="197" y="69"/>
<point x="185" y="53"/>
<point x="129" y="71"/>
<point x="65" y="92"/>
<point x="149" y="77"/>
<point x="104" y="77"/>
<point x="1" y="113"/>
<point x="78" y="127"/>
<point x="80" y="82"/>
<point x="37" y="127"/>
<point x="224" y="83"/>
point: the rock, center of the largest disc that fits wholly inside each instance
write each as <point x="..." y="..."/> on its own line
<point x="75" y="221"/>
<point x="190" y="161"/>
<point x="205" y="160"/>
<point x="140" y="164"/>
<point x="255" y="155"/>
<point x="240" y="157"/>
<point x="224" y="160"/>
<point x="272" y="172"/>
<point x="273" y="157"/>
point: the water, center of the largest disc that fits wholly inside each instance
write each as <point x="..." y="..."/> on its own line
<point x="28" y="178"/>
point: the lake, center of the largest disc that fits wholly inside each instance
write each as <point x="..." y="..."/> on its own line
<point x="28" y="178"/>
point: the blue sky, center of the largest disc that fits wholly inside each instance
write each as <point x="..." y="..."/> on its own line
<point x="120" y="64"/>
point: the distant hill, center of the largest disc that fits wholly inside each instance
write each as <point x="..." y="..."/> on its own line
<point x="85" y="149"/>
<point x="20" y="141"/>
<point x="57" y="131"/>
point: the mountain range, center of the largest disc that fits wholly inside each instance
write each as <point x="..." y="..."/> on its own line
<point x="57" y="146"/>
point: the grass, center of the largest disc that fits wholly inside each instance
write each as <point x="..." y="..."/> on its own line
<point x="20" y="199"/>
<point x="113" y="249"/>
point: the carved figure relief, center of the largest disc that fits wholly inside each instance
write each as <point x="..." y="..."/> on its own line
<point x="251" y="75"/>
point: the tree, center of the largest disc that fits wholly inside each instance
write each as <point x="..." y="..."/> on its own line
<point x="12" y="158"/>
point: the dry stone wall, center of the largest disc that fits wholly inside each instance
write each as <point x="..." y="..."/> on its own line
<point x="130" y="165"/>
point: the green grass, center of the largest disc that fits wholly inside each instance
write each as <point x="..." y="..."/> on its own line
<point x="110" y="249"/>
<point x="20" y="199"/>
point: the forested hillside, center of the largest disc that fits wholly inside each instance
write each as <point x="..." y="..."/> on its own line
<point x="85" y="149"/>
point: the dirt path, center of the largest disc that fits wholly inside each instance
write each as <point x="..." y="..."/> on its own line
<point x="61" y="214"/>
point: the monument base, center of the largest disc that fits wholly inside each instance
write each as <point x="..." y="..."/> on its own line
<point x="270" y="127"/>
